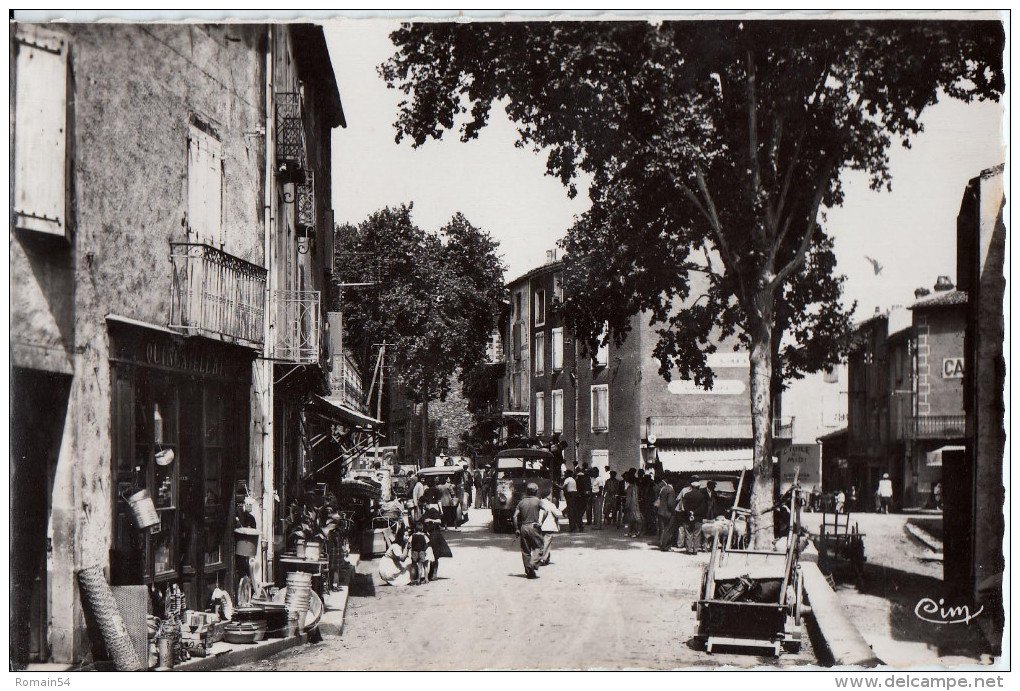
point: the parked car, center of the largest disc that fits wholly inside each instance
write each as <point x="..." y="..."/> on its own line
<point x="403" y="480"/>
<point x="514" y="469"/>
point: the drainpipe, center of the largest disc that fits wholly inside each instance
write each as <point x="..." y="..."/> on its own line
<point x="577" y="399"/>
<point x="268" y="434"/>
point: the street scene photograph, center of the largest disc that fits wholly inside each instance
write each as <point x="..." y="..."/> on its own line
<point x="509" y="342"/>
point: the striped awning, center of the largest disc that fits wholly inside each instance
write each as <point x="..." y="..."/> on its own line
<point x="706" y="459"/>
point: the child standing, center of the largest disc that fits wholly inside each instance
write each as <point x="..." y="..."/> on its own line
<point x="421" y="553"/>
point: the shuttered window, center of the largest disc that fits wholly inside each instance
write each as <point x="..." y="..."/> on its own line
<point x="557" y="410"/>
<point x="41" y="131"/>
<point x="602" y="354"/>
<point x="599" y="408"/>
<point x="540" y="412"/>
<point x="557" y="349"/>
<point x="205" y="187"/>
<point x="540" y="352"/>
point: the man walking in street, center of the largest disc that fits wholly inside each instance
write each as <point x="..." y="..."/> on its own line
<point x="884" y="494"/>
<point x="610" y="491"/>
<point x="693" y="503"/>
<point x="597" y="498"/>
<point x="570" y="495"/>
<point x="583" y="497"/>
<point x="477" y="481"/>
<point x="528" y="524"/>
<point x="665" y="514"/>
<point x="416" y="496"/>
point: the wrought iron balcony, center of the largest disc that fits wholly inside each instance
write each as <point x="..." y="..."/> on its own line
<point x="298" y="325"/>
<point x="216" y="294"/>
<point x="346" y="382"/>
<point x="938" y="426"/>
<point x="305" y="193"/>
<point x="712" y="427"/>
<point x="291" y="148"/>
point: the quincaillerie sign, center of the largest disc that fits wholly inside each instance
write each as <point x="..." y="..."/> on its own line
<point x="195" y="356"/>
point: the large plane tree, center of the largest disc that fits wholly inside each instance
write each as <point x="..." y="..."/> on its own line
<point x="711" y="146"/>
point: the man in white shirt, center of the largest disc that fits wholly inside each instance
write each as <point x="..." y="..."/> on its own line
<point x="570" y="495"/>
<point x="598" y="497"/>
<point x="416" y="495"/>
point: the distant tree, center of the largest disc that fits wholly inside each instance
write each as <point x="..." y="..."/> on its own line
<point x="435" y="298"/>
<point x="711" y="145"/>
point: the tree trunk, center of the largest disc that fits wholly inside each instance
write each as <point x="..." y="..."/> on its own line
<point x="760" y="331"/>
<point x="425" y="434"/>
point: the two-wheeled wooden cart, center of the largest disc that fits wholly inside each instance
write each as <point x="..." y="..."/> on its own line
<point x="841" y="546"/>
<point x="753" y="598"/>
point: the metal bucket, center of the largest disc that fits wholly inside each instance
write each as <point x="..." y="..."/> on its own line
<point x="313" y="550"/>
<point x="246" y="542"/>
<point x="143" y="509"/>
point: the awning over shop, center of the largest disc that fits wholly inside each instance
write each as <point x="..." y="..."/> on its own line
<point x="934" y="458"/>
<point x="333" y="409"/>
<point x="706" y="459"/>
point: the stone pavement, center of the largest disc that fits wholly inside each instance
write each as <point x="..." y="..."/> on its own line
<point x="898" y="574"/>
<point x="606" y="602"/>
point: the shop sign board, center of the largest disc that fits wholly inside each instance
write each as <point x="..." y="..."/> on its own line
<point x="952" y="368"/>
<point x="721" y="387"/>
<point x="807" y="458"/>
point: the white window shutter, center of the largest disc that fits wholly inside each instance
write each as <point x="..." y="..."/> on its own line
<point x="205" y="187"/>
<point x="40" y="131"/>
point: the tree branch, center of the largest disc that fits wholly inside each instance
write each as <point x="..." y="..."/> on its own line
<point x="805" y="242"/>
<point x="752" y="126"/>
<point x="781" y="206"/>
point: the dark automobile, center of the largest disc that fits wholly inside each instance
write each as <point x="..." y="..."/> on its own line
<point x="514" y="469"/>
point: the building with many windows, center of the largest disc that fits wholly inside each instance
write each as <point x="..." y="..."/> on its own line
<point x="171" y="236"/>
<point x="611" y="407"/>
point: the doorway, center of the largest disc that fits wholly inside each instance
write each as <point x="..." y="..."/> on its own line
<point x="38" y="408"/>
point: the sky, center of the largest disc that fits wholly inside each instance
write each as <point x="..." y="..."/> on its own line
<point x="910" y="231"/>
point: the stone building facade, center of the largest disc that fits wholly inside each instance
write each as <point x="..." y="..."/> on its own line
<point x="154" y="234"/>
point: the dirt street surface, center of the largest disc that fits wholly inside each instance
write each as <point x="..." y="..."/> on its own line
<point x="896" y="577"/>
<point x="606" y="602"/>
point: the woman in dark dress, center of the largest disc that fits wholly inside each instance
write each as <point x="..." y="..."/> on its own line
<point x="434" y="529"/>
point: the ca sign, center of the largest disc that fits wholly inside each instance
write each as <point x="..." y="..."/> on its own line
<point x="952" y="368"/>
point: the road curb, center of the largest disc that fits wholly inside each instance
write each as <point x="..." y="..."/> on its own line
<point x="923" y="536"/>
<point x="837" y="642"/>
<point x="332" y="623"/>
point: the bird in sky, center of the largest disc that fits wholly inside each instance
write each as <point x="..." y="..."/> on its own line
<point x="874" y="264"/>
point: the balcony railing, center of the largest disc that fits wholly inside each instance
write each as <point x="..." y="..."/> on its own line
<point x="938" y="427"/>
<point x="305" y="193"/>
<point x="712" y="427"/>
<point x="297" y="321"/>
<point x="291" y="149"/>
<point x="347" y="384"/>
<point x="213" y="293"/>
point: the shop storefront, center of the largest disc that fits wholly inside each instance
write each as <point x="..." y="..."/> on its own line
<point x="180" y="431"/>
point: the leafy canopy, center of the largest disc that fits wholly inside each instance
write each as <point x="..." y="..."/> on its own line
<point x="434" y="301"/>
<point x="712" y="146"/>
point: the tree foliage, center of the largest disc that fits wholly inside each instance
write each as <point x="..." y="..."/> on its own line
<point x="712" y="146"/>
<point x="434" y="300"/>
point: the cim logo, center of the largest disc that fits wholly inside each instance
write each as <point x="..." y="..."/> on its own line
<point x="952" y="368"/>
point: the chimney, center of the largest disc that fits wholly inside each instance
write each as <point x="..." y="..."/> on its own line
<point x="943" y="284"/>
<point x="550" y="256"/>
<point x="920" y="293"/>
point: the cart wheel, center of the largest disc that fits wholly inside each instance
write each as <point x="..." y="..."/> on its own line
<point x="798" y="608"/>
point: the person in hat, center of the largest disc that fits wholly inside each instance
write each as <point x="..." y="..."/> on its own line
<point x="692" y="506"/>
<point x="528" y="521"/>
<point x="884" y="493"/>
